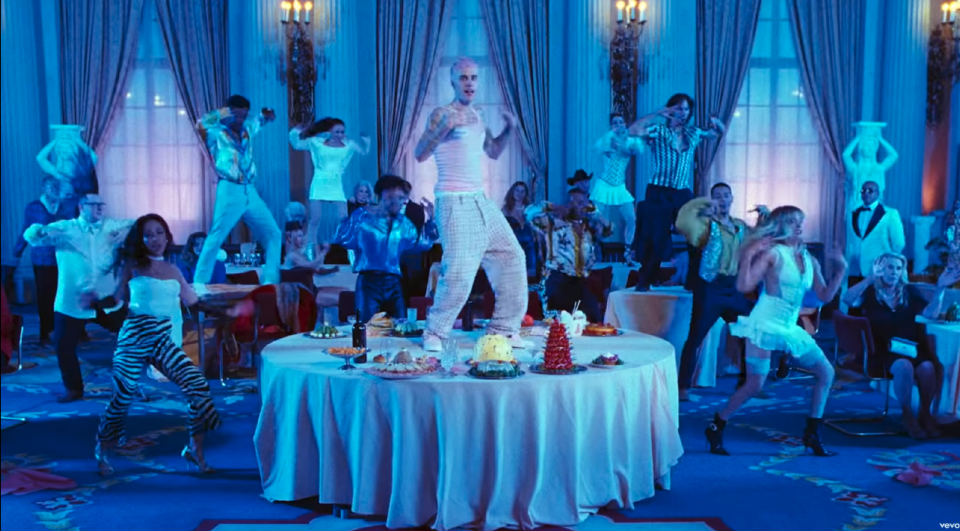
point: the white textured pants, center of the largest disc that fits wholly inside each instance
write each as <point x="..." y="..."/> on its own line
<point x="474" y="233"/>
<point x="235" y="202"/>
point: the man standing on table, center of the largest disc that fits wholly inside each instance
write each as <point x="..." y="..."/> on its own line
<point x="473" y="231"/>
<point x="380" y="234"/>
<point x="673" y="144"/>
<point x="85" y="248"/>
<point x="228" y="133"/>
<point x="708" y="226"/>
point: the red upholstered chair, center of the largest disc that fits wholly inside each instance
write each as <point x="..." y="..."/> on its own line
<point x="855" y="337"/>
<point x="247" y="278"/>
<point x="298" y="275"/>
<point x="266" y="326"/>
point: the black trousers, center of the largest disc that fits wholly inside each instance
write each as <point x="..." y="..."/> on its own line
<point x="652" y="243"/>
<point x="714" y="300"/>
<point x="564" y="291"/>
<point x="67" y="333"/>
<point x="45" y="280"/>
<point x="378" y="291"/>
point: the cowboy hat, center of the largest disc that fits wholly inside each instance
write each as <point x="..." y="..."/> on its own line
<point x="580" y="175"/>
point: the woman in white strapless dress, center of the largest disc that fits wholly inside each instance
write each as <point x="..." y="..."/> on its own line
<point x="331" y="152"/>
<point x="777" y="257"/>
<point x="152" y="335"/>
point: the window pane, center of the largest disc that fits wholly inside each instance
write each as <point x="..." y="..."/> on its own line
<point x="759" y="87"/>
<point x="789" y="88"/>
<point x="762" y="42"/>
<point x="786" y="49"/>
<point x="788" y="125"/>
<point x="737" y="131"/>
<point x="736" y="162"/>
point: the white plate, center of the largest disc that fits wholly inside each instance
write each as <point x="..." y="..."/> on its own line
<point x="601" y="366"/>
<point x="386" y="375"/>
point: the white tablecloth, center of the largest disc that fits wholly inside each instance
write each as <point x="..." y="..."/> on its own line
<point x="344" y="278"/>
<point x="621" y="272"/>
<point x="533" y="451"/>
<point x="666" y="313"/>
<point x="948" y="350"/>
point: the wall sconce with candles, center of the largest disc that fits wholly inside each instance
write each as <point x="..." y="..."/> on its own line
<point x="299" y="64"/>
<point x="627" y="66"/>
<point x="943" y="61"/>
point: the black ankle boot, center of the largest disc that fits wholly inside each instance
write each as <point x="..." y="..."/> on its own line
<point x="714" y="435"/>
<point x="811" y="438"/>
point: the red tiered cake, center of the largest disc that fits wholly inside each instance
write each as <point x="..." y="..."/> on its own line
<point x="556" y="355"/>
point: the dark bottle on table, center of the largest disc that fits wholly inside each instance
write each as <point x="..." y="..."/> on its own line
<point x="360" y="338"/>
<point x="467" y="321"/>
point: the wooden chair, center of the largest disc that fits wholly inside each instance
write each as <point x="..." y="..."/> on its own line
<point x="17" y="340"/>
<point x="855" y="337"/>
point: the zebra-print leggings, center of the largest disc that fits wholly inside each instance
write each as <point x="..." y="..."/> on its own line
<point x="146" y="339"/>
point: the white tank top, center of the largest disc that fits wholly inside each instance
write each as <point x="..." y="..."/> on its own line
<point x="460" y="158"/>
<point x="158" y="298"/>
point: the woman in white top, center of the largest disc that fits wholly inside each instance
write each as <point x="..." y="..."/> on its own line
<point x="331" y="152"/>
<point x="151" y="335"/>
<point x="610" y="190"/>
<point x="776" y="257"/>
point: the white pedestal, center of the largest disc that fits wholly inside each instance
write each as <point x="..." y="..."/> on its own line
<point x="922" y="226"/>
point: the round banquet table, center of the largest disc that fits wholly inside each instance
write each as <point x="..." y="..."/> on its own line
<point x="460" y="452"/>
<point x="948" y="350"/>
<point x="666" y="312"/>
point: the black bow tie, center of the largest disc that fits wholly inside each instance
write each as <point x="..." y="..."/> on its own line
<point x="863" y="209"/>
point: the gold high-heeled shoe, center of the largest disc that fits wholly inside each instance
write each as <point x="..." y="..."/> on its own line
<point x="102" y="464"/>
<point x="193" y="462"/>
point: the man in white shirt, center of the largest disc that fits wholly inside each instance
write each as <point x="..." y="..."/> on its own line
<point x="85" y="248"/>
<point x="228" y="134"/>
<point x="873" y="229"/>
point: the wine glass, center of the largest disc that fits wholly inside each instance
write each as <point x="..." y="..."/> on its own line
<point x="449" y="355"/>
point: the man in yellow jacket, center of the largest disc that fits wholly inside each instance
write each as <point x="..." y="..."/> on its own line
<point x="707" y="225"/>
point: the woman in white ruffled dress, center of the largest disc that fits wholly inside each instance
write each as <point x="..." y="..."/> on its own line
<point x="331" y="152"/>
<point x="610" y="190"/>
<point x="777" y="258"/>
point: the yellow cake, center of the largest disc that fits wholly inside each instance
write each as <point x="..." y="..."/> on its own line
<point x="493" y="348"/>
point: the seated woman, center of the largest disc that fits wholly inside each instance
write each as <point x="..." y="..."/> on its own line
<point x="362" y="196"/>
<point x="191" y="253"/>
<point x="892" y="306"/>
<point x="514" y="205"/>
<point x="295" y="250"/>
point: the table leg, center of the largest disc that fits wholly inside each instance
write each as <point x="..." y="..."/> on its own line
<point x="342" y="511"/>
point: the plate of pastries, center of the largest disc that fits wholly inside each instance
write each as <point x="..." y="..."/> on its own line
<point x="601" y="330"/>
<point x="403" y="366"/>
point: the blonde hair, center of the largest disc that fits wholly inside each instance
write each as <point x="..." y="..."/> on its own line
<point x="458" y="67"/>
<point x="371" y="199"/>
<point x="774" y="224"/>
<point x="900" y="292"/>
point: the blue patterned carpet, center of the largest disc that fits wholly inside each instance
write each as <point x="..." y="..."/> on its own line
<point x="768" y="484"/>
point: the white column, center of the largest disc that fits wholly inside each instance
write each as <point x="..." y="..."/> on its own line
<point x="902" y="94"/>
<point x="922" y="231"/>
<point x="872" y="52"/>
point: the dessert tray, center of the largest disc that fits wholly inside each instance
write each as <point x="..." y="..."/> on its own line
<point x="400" y="371"/>
<point x="473" y="373"/>
<point x="607" y="362"/>
<point x="326" y="332"/>
<point x="346" y="353"/>
<point x="539" y="369"/>
<point x="589" y="332"/>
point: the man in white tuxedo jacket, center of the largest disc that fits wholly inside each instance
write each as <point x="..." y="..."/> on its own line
<point x="873" y="230"/>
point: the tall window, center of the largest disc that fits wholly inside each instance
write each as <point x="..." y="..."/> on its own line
<point x="153" y="161"/>
<point x="772" y="154"/>
<point x="468" y="38"/>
